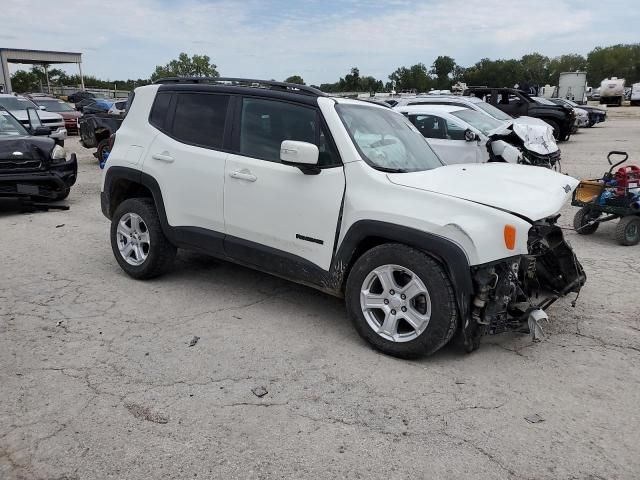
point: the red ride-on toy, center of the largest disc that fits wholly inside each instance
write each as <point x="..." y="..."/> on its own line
<point x="615" y="195"/>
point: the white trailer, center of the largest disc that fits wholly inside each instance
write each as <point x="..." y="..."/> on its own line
<point x="573" y="86"/>
<point x="547" y="91"/>
<point x="612" y="91"/>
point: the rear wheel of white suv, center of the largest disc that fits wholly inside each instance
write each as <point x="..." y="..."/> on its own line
<point x="401" y="301"/>
<point x="137" y="240"/>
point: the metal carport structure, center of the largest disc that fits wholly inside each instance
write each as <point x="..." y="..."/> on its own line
<point x="34" y="57"/>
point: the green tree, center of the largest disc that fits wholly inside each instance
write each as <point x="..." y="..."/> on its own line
<point x="297" y="79"/>
<point x="23" y="81"/>
<point x="185" y="66"/>
<point x="622" y="61"/>
<point x="351" y="81"/>
<point x="494" y="73"/>
<point x="442" y="68"/>
<point x="535" y="68"/>
<point x="415" y="78"/>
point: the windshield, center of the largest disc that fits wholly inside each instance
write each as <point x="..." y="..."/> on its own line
<point x="10" y="126"/>
<point x="55" y="105"/>
<point x="16" y="103"/>
<point x="387" y="140"/>
<point x="569" y="102"/>
<point x="478" y="120"/>
<point x="543" y="101"/>
<point x="493" y="111"/>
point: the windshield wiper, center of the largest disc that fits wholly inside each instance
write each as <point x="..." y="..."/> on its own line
<point x="392" y="170"/>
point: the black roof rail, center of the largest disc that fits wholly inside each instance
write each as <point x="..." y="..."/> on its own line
<point x="246" y="82"/>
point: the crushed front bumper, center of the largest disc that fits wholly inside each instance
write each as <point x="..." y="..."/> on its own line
<point x="511" y="293"/>
<point x="46" y="184"/>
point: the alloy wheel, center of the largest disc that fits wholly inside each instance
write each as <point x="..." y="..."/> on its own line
<point x="133" y="239"/>
<point x="395" y="303"/>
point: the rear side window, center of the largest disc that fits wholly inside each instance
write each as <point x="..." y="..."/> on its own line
<point x="199" y="119"/>
<point x="159" y="111"/>
<point x="429" y="126"/>
<point x="265" y="124"/>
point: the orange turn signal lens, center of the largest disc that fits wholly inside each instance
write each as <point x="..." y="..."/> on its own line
<point x="510" y="236"/>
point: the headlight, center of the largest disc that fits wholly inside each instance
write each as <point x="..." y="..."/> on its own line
<point x="58" y="153"/>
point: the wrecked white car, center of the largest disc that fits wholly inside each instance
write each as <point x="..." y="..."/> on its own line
<point x="461" y="135"/>
<point x="341" y="195"/>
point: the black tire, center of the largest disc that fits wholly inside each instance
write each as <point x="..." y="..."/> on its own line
<point x="556" y="128"/>
<point x="628" y="230"/>
<point x="582" y="218"/>
<point x="102" y="148"/>
<point x="161" y="252"/>
<point x="63" y="195"/>
<point x="444" y="315"/>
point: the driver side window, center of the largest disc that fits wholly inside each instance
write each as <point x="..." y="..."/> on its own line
<point x="454" y="131"/>
<point x="265" y="124"/>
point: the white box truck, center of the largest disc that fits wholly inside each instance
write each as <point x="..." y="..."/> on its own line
<point x="635" y="94"/>
<point x="573" y="86"/>
<point x="612" y="91"/>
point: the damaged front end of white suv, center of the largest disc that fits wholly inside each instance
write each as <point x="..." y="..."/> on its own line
<point x="520" y="262"/>
<point x="513" y="294"/>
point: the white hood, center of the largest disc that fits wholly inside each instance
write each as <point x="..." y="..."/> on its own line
<point x="532" y="192"/>
<point x="43" y="114"/>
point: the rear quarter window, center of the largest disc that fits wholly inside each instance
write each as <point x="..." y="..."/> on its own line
<point x="160" y="110"/>
<point x="199" y="119"/>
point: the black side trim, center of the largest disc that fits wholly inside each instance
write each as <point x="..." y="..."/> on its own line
<point x="194" y="238"/>
<point x="112" y="175"/>
<point x="450" y="255"/>
<point x="309" y="239"/>
<point x="276" y="262"/>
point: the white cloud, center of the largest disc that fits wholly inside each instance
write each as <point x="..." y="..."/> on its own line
<point x="126" y="39"/>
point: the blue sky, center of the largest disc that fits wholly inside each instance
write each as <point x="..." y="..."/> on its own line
<point x="320" y="40"/>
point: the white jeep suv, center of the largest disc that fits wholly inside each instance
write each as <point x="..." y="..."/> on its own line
<point x="342" y="195"/>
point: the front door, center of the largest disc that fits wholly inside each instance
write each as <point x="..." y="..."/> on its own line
<point x="446" y="138"/>
<point x="275" y="215"/>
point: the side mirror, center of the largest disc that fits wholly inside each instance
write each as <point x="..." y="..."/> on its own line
<point x="41" y="131"/>
<point x="34" y="119"/>
<point x="42" y="107"/>
<point x="303" y="155"/>
<point x="469" y="135"/>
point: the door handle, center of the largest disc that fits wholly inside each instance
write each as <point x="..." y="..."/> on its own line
<point x="243" y="174"/>
<point x="163" y="157"/>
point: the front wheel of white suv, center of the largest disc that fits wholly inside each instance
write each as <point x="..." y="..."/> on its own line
<point x="137" y="240"/>
<point x="401" y="301"/>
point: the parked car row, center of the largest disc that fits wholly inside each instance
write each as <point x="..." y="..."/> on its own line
<point x="497" y="124"/>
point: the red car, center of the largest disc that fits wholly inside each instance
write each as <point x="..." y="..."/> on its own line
<point x="51" y="104"/>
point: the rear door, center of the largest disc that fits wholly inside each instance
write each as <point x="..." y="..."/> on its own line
<point x="275" y="215"/>
<point x="187" y="157"/>
<point x="513" y="104"/>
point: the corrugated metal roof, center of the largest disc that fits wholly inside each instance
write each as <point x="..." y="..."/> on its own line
<point x="18" y="55"/>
